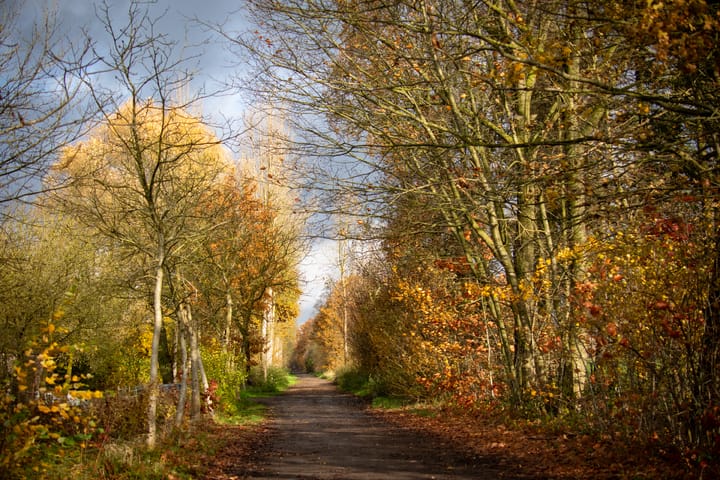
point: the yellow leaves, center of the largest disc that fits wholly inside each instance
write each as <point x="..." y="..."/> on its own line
<point x="141" y="143"/>
<point x="471" y="290"/>
<point x="48" y="363"/>
<point x="566" y="255"/>
<point x="516" y="70"/>
<point x="144" y="340"/>
<point x="85" y="394"/>
<point x="42" y="414"/>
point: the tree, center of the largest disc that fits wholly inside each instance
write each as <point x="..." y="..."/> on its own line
<point x="512" y="143"/>
<point x="142" y="173"/>
<point x="50" y="274"/>
<point x="222" y="268"/>
<point x="252" y="252"/>
<point x="269" y="266"/>
<point x="42" y="106"/>
<point x="448" y="104"/>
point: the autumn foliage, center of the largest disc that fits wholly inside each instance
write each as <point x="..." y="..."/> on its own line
<point x="43" y="409"/>
<point x="549" y="233"/>
<point x="163" y="259"/>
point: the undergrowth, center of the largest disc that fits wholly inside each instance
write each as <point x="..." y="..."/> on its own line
<point x="118" y="451"/>
<point x="364" y="386"/>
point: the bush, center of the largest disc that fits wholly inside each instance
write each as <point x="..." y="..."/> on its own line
<point x="227" y="369"/>
<point x="122" y="416"/>
<point x="43" y="413"/>
<point x="354" y="381"/>
<point x="278" y="379"/>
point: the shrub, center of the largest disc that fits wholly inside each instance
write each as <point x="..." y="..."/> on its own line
<point x="353" y="381"/>
<point x="122" y="416"/>
<point x="227" y="369"/>
<point x="278" y="379"/>
<point x="43" y="412"/>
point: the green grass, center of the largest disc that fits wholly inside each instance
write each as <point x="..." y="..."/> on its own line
<point x="244" y="411"/>
<point x="278" y="380"/>
<point x="389" y="402"/>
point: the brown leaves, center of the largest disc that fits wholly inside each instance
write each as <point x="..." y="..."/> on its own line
<point x="214" y="451"/>
<point x="528" y="451"/>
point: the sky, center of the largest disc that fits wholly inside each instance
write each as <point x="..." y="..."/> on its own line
<point x="213" y="63"/>
<point x="175" y="18"/>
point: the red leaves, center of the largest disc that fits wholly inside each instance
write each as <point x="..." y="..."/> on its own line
<point x="660" y="305"/>
<point x="611" y="329"/>
<point x="673" y="228"/>
<point x="459" y="265"/>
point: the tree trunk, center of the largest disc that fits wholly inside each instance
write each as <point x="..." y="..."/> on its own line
<point x="246" y="345"/>
<point x="195" y="403"/>
<point x="267" y="333"/>
<point x="180" y="412"/>
<point x="203" y="377"/>
<point x="228" y="321"/>
<point x="154" y="390"/>
<point x="575" y="346"/>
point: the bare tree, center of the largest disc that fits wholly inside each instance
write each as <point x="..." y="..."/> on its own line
<point x="42" y="101"/>
<point x="144" y="172"/>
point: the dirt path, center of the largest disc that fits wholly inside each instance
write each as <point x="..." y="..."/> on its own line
<point x="317" y="432"/>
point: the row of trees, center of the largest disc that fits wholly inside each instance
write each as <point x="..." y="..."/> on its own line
<point x="142" y="246"/>
<point x="540" y="182"/>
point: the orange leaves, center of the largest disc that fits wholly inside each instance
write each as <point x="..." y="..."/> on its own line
<point x="611" y="329"/>
<point x="444" y="335"/>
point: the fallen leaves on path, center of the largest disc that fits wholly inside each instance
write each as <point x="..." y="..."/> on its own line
<point x="227" y="452"/>
<point x="220" y="452"/>
<point x="531" y="453"/>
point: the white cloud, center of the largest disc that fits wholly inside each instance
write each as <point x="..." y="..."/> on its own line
<point x="319" y="266"/>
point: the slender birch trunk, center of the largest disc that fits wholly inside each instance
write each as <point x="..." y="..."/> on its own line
<point x="195" y="403"/>
<point x="154" y="389"/>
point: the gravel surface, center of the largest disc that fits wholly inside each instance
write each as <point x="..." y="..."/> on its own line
<point x="317" y="432"/>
